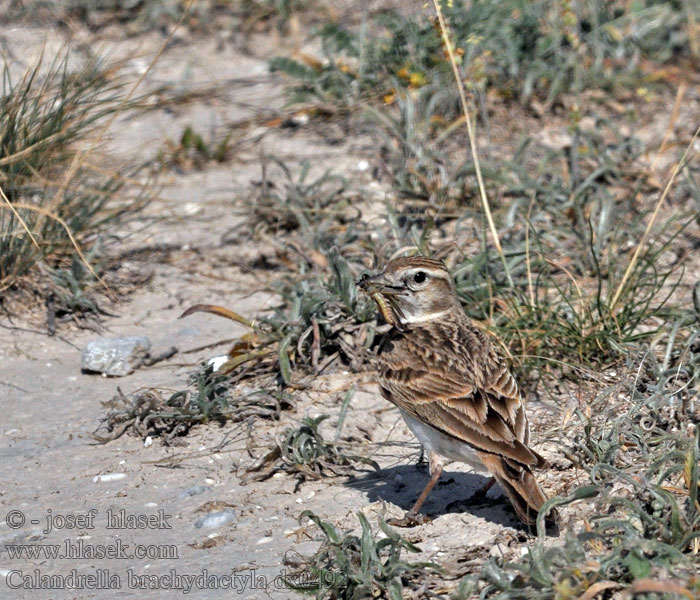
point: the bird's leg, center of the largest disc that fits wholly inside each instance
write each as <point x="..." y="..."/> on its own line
<point x="487" y="486"/>
<point x="413" y="517"/>
<point x="434" y="477"/>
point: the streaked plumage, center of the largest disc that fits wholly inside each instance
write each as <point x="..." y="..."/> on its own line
<point x="450" y="382"/>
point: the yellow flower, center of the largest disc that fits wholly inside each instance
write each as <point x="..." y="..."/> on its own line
<point x="417" y="79"/>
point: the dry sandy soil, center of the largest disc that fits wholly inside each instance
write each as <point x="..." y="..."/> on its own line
<point x="50" y="465"/>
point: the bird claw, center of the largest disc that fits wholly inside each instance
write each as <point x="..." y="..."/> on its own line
<point x="410" y="519"/>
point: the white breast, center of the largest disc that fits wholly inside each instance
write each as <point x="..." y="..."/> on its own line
<point x="444" y="445"/>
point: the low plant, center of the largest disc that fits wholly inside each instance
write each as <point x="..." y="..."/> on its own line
<point x="56" y="202"/>
<point x="320" y="319"/>
<point x="284" y="202"/>
<point x="192" y="151"/>
<point x="348" y="566"/>
<point x="210" y="397"/>
<point x="304" y="452"/>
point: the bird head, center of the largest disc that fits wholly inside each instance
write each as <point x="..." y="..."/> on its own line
<point x="412" y="290"/>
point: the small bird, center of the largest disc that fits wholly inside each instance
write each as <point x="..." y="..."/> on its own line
<point x="452" y="386"/>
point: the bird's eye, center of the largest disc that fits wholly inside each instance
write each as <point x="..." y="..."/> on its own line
<point x="419" y="277"/>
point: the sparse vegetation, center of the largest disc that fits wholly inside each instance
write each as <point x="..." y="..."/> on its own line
<point x="304" y="452"/>
<point x="209" y="398"/>
<point x="193" y="151"/>
<point x="139" y="16"/>
<point x="352" y="566"/>
<point x="521" y="50"/>
<point x="57" y="202"/>
<point x="638" y="444"/>
<point x="557" y="309"/>
<point x="282" y="203"/>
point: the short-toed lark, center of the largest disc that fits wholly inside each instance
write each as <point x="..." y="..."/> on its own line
<point x="449" y="381"/>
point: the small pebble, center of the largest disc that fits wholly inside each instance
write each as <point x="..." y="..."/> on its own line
<point x="299" y="119"/>
<point x="148" y="442"/>
<point x="104" y="478"/>
<point x="264" y="540"/>
<point x="191" y="208"/>
<point x="216" y="519"/>
<point x="115" y="357"/>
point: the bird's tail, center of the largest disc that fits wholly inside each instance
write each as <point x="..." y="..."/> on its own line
<point x="521" y="487"/>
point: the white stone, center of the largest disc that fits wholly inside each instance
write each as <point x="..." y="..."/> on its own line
<point x="106" y="477"/>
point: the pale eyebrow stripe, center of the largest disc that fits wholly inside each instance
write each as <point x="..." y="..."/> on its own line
<point x="430" y="271"/>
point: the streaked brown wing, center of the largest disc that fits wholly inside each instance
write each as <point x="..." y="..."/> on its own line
<point x="491" y="418"/>
<point x="505" y="399"/>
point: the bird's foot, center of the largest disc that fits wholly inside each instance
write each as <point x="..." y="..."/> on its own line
<point x="410" y="519"/>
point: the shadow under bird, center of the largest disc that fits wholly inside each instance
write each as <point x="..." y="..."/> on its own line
<point x="451" y="384"/>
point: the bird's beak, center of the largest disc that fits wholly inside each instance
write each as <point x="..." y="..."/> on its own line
<point x="375" y="284"/>
<point x="384" y="295"/>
